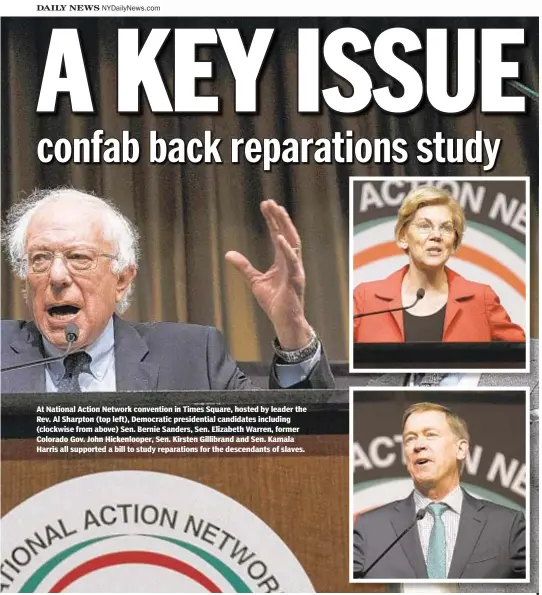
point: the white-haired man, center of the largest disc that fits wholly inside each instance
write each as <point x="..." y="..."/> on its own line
<point x="78" y="257"/>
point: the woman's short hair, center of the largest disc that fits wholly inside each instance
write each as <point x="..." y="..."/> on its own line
<point x="425" y="196"/>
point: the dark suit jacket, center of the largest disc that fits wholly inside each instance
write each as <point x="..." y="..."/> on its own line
<point x="490" y="542"/>
<point x="148" y="356"/>
<point x="508" y="380"/>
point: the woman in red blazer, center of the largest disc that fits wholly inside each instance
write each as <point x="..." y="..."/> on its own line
<point x="429" y="229"/>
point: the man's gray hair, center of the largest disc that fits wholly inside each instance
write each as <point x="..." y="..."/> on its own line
<point x="117" y="229"/>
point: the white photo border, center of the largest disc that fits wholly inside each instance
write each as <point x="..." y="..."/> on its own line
<point x="442" y="389"/>
<point x="427" y="179"/>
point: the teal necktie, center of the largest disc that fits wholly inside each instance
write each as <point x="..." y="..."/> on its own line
<point x="436" y="554"/>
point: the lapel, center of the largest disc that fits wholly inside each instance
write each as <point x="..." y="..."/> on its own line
<point x="388" y="292"/>
<point x="402" y="517"/>
<point x="28" y="346"/>
<point x="471" y="524"/>
<point x="459" y="292"/>
<point x="131" y="371"/>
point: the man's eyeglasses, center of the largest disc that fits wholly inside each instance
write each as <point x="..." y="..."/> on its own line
<point x="76" y="259"/>
<point x="425" y="228"/>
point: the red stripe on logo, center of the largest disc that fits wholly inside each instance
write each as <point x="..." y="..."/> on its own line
<point x="134" y="557"/>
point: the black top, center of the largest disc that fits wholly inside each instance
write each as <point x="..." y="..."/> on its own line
<point x="424" y="328"/>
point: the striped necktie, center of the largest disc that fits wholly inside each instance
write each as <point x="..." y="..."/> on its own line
<point x="436" y="554"/>
<point x="74" y="364"/>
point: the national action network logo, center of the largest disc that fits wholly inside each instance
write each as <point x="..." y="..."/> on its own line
<point x="138" y="531"/>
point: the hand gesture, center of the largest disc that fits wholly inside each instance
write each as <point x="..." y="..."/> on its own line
<point x="280" y="291"/>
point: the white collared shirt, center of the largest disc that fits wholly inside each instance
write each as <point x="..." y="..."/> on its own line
<point x="290" y="374"/>
<point x="102" y="367"/>
<point x="450" y="518"/>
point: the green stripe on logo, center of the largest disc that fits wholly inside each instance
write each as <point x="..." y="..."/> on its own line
<point x="235" y="581"/>
<point x="372" y="223"/>
<point x="515" y="245"/>
<point x="33" y="582"/>
<point x="41" y="573"/>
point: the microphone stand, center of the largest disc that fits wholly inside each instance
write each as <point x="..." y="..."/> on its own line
<point x="419" y="516"/>
<point x="71" y="337"/>
<point x="418" y="298"/>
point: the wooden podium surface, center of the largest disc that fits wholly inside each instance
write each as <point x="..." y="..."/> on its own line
<point x="304" y="498"/>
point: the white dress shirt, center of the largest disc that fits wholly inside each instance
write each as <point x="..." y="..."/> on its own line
<point x="450" y="518"/>
<point x="102" y="367"/>
<point x="452" y="379"/>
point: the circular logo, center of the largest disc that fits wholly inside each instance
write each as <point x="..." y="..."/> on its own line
<point x="139" y="531"/>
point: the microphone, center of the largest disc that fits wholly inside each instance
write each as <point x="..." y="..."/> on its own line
<point x="419" y="295"/>
<point x="71" y="333"/>
<point x="419" y="516"/>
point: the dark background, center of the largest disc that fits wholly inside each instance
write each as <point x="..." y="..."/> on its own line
<point x="189" y="216"/>
<point x="378" y="413"/>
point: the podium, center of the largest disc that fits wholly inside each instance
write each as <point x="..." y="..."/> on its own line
<point x="303" y="498"/>
<point x="441" y="355"/>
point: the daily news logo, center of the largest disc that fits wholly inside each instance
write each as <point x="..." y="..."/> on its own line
<point x="131" y="531"/>
<point x="67" y="7"/>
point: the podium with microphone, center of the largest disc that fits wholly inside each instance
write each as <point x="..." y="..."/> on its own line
<point x="434" y="354"/>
